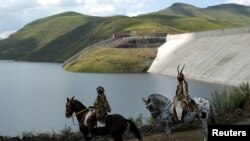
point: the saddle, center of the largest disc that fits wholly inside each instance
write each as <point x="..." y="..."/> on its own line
<point x="182" y="112"/>
<point x="192" y="106"/>
<point x="97" y="123"/>
<point x="100" y="122"/>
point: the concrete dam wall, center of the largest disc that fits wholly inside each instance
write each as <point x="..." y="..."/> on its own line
<point x="221" y="56"/>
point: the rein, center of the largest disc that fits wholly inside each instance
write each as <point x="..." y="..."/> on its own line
<point x="169" y="105"/>
<point x="167" y="109"/>
<point x="80" y="112"/>
<point x="77" y="114"/>
<point x="153" y="105"/>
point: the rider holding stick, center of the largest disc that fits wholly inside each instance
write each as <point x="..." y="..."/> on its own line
<point x="181" y="94"/>
<point x="101" y="107"/>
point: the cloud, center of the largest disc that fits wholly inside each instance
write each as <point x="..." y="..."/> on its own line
<point x="243" y="2"/>
<point x="6" y="34"/>
<point x="15" y="14"/>
<point x="48" y="2"/>
<point x="114" y="7"/>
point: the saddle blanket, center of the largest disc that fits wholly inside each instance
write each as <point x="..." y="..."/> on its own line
<point x="179" y="111"/>
<point x="98" y="124"/>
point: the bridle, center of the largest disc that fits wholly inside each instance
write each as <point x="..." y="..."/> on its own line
<point x="74" y="114"/>
<point x="69" y="110"/>
<point x="169" y="105"/>
<point x="155" y="110"/>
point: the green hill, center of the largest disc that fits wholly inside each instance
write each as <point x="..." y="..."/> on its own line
<point x="57" y="38"/>
<point x="190" y="18"/>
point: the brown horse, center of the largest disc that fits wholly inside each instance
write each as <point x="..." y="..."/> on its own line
<point x="116" y="125"/>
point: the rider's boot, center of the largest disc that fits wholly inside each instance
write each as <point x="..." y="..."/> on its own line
<point x="174" y="117"/>
<point x="90" y="135"/>
<point x="90" y="128"/>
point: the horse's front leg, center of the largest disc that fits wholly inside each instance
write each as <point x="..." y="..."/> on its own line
<point x="85" y="132"/>
<point x="117" y="137"/>
<point x="168" y="131"/>
<point x="204" y="129"/>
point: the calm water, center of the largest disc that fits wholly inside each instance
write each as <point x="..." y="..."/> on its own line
<point x="33" y="95"/>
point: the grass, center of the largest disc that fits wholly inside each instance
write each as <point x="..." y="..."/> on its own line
<point x="50" y="28"/>
<point x="57" y="38"/>
<point x="194" y="24"/>
<point x="147" y="25"/>
<point x="222" y="102"/>
<point x="46" y="136"/>
<point x="227" y="102"/>
<point x="141" y="121"/>
<point x="115" y="60"/>
<point x="241" y="94"/>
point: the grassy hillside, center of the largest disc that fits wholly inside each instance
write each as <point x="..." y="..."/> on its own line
<point x="57" y="38"/>
<point x="177" y="18"/>
<point x="190" y="18"/>
<point x="113" y="60"/>
<point x="38" y="34"/>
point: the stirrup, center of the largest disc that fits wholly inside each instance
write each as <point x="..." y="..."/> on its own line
<point x="89" y="135"/>
<point x="175" y="119"/>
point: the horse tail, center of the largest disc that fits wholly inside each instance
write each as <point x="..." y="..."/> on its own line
<point x="212" y="115"/>
<point x="133" y="128"/>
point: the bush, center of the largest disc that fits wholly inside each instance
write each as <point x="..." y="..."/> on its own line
<point x="225" y="102"/>
<point x="44" y="136"/>
<point x="222" y="102"/>
<point x="240" y="94"/>
<point x="151" y="121"/>
<point x="139" y="121"/>
<point x="28" y="136"/>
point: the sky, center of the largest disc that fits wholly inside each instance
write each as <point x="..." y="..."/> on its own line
<point x="14" y="14"/>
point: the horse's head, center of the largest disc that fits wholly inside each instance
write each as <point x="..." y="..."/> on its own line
<point x="154" y="111"/>
<point x="74" y="106"/>
<point x="156" y="103"/>
<point x="70" y="107"/>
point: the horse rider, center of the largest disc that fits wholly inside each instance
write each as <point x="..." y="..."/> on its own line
<point x="181" y="94"/>
<point x="101" y="107"/>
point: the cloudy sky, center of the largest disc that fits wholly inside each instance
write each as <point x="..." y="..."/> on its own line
<point x="14" y="14"/>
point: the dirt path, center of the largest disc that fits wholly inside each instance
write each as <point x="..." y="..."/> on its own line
<point x="191" y="135"/>
<point x="188" y="135"/>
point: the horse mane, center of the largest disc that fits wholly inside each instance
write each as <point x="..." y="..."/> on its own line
<point x="159" y="99"/>
<point x="77" y="102"/>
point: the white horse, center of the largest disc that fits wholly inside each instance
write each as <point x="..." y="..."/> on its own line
<point x="161" y="108"/>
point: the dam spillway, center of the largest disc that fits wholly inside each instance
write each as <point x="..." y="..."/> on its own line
<point x="220" y="56"/>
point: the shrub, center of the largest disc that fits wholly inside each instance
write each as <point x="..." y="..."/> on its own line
<point x="44" y="137"/>
<point x="225" y="102"/>
<point x="222" y="102"/>
<point x="28" y="136"/>
<point x="139" y="121"/>
<point x="66" y="131"/>
<point x="151" y="121"/>
<point x="240" y="94"/>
